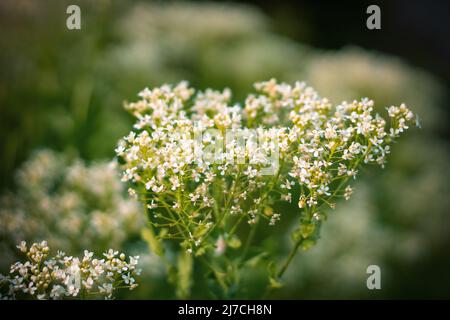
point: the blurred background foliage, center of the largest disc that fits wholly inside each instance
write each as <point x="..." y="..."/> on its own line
<point x="64" y="90"/>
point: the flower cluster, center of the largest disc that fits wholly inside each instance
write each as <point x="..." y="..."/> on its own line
<point x="202" y="164"/>
<point x="352" y="72"/>
<point x="64" y="276"/>
<point x="59" y="199"/>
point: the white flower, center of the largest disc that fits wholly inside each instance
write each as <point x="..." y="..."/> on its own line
<point x="66" y="277"/>
<point x="110" y="254"/>
<point x="152" y="205"/>
<point x="274" y="218"/>
<point x="107" y="289"/>
<point x="57" y="292"/>
<point x="348" y="192"/>
<point x="23" y="246"/>
<point x="128" y="279"/>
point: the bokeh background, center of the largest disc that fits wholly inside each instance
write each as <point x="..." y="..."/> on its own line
<point x="61" y="115"/>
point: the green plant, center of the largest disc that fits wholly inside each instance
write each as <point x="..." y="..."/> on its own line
<point x="203" y="167"/>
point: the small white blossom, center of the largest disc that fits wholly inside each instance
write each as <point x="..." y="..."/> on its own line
<point x="199" y="159"/>
<point x="66" y="276"/>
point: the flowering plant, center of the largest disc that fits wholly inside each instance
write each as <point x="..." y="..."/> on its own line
<point x="57" y="197"/>
<point x="66" y="276"/>
<point x="203" y="166"/>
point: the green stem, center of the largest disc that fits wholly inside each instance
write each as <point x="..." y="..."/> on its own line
<point x="289" y="259"/>
<point x="284" y="266"/>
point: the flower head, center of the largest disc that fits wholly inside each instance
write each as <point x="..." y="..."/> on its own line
<point x="191" y="155"/>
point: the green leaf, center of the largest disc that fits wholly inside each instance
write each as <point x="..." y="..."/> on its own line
<point x="275" y="284"/>
<point x="153" y="243"/>
<point x="254" y="261"/>
<point x="307" y="229"/>
<point x="200" y="251"/>
<point x="296" y="235"/>
<point x="200" y="231"/>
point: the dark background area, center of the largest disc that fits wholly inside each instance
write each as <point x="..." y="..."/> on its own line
<point x="417" y="30"/>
